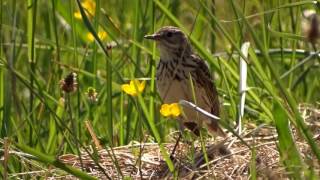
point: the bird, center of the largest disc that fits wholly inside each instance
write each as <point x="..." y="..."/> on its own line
<point x="182" y="75"/>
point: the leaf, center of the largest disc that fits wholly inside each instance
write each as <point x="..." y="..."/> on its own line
<point x="287" y="147"/>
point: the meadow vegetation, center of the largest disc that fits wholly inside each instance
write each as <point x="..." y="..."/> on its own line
<point x="71" y="66"/>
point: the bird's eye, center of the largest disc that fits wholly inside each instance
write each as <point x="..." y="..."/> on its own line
<point x="169" y="34"/>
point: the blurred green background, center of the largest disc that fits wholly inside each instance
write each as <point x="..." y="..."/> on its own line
<point x="42" y="42"/>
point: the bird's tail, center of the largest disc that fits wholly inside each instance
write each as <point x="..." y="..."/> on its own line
<point x="214" y="129"/>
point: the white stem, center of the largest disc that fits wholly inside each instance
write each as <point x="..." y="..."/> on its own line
<point x="242" y="83"/>
<point x="200" y="110"/>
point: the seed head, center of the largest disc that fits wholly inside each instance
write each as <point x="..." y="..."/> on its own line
<point x="69" y="83"/>
<point x="311" y="25"/>
<point x="92" y="95"/>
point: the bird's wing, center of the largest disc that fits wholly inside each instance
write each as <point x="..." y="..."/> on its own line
<point x="203" y="78"/>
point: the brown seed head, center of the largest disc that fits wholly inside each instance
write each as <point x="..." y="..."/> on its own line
<point x="69" y="83"/>
<point x="311" y="25"/>
<point x="314" y="33"/>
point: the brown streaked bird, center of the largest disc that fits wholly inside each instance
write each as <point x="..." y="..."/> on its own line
<point x="178" y="63"/>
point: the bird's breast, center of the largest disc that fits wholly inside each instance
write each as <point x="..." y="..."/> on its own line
<point x="172" y="91"/>
<point x="173" y="85"/>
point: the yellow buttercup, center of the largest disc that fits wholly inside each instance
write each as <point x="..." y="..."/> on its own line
<point x="170" y="110"/>
<point x="134" y="87"/>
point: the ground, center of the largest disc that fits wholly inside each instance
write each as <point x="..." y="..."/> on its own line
<point x="229" y="158"/>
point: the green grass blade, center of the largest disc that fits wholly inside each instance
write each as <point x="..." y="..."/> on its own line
<point x="287" y="147"/>
<point x="54" y="162"/>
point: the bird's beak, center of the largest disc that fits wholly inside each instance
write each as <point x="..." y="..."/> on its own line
<point x="155" y="37"/>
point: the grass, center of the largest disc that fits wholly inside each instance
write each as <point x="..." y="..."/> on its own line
<point x="41" y="42"/>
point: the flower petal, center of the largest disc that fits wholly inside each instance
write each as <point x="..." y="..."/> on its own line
<point x="90" y="6"/>
<point x="175" y="109"/>
<point x="165" y="110"/>
<point x="127" y="89"/>
<point x="102" y="35"/>
<point x="141" y="86"/>
<point x="77" y="15"/>
<point x="133" y="83"/>
<point x="90" y="37"/>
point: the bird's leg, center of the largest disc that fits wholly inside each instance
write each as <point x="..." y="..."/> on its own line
<point x="165" y="172"/>
<point x="178" y="140"/>
<point x="175" y="146"/>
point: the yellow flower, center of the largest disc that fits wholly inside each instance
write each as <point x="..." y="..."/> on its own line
<point x="102" y="35"/>
<point x="90" y="9"/>
<point x="77" y="15"/>
<point x="134" y="87"/>
<point x="165" y="110"/>
<point x="170" y="110"/>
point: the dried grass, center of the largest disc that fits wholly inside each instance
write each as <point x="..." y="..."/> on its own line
<point x="144" y="161"/>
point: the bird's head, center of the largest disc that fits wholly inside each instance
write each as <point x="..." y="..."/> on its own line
<point x="171" y="41"/>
